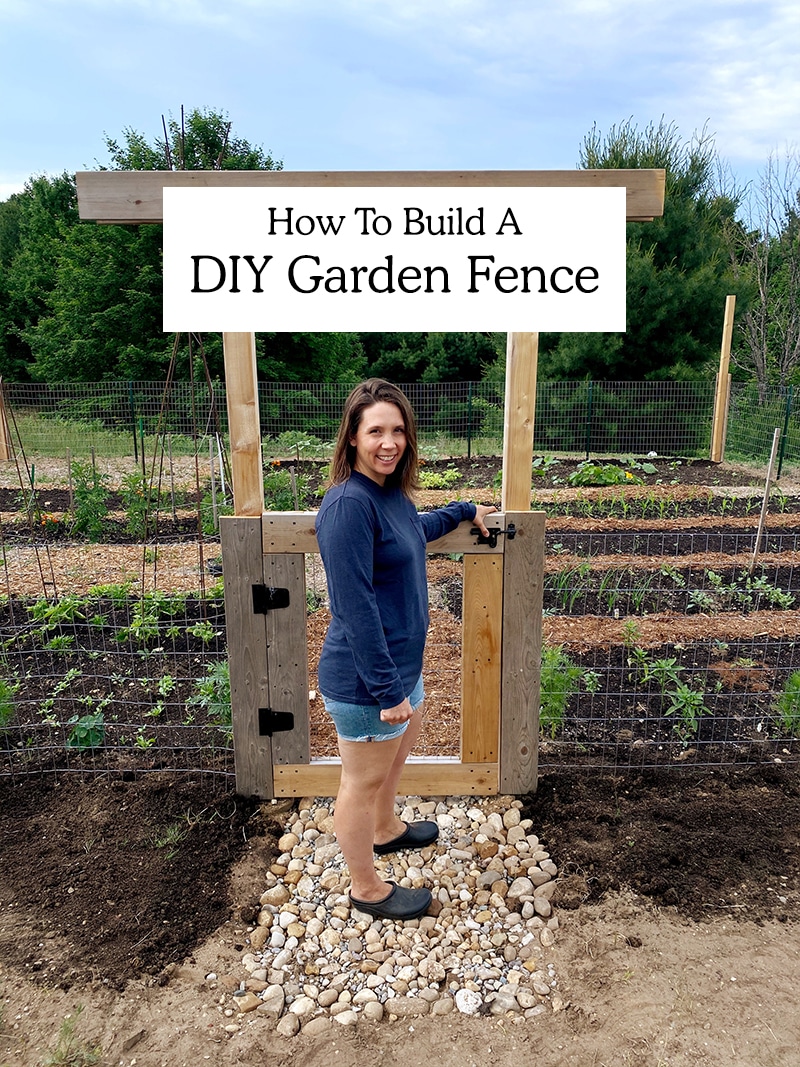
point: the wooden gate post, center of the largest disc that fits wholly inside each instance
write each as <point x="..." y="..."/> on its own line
<point x="244" y="422"/>
<point x="242" y="568"/>
<point x="523" y="576"/>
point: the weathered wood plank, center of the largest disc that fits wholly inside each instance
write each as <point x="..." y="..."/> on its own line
<point x="523" y="566"/>
<point x="293" y="531"/>
<point x="137" y="196"/>
<point x="287" y="656"/>
<point x="482" y="620"/>
<point x="522" y="351"/>
<point x="241" y="385"/>
<point x="429" y="778"/>
<point x="242" y="566"/>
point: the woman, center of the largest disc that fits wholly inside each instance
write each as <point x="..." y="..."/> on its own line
<point x="372" y="542"/>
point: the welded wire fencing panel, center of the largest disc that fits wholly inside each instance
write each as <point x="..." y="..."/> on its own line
<point x="754" y="416"/>
<point x="624" y="418"/>
<point x="103" y="681"/>
<point x="663" y="648"/>
<point x="455" y="418"/>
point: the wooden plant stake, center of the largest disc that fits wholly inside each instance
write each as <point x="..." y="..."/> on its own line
<point x="765" y="503"/>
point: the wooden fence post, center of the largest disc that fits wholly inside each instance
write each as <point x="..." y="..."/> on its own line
<point x="723" y="390"/>
<point x="6" y="448"/>
<point x="522" y="578"/>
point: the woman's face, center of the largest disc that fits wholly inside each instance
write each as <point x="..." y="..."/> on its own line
<point x="380" y="441"/>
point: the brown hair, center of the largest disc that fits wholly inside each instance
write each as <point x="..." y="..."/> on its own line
<point x="376" y="391"/>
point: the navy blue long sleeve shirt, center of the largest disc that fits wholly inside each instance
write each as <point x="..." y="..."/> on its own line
<point x="372" y="542"/>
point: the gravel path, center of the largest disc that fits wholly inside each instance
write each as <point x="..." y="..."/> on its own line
<point x="483" y="948"/>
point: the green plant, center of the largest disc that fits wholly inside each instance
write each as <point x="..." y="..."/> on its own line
<point x="170" y="837"/>
<point x="88" y="731"/>
<point x="207" y="513"/>
<point x="439" y="479"/>
<point x="591" y="681"/>
<point x="282" y="492"/>
<point x="117" y="592"/>
<point x="68" y="1051"/>
<point x="588" y="473"/>
<point x="60" y="643"/>
<point x="7" y="691"/>
<point x="90" y="494"/>
<point x="788" y="704"/>
<point x="688" y="705"/>
<point x="203" y="630"/>
<point x="213" y="694"/>
<point x="166" y="685"/>
<point x="54" y="613"/>
<point x="142" y="742"/>
<point x="560" y="678"/>
<point x="664" y="672"/>
<point x="631" y="633"/>
<point x="143" y="625"/>
<point x="136" y="500"/>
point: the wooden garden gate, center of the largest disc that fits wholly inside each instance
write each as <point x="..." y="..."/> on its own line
<point x="264" y="553"/>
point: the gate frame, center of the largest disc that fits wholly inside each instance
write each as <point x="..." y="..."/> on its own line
<point x="502" y="627"/>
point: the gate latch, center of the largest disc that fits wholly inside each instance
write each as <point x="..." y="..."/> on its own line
<point x="274" y="722"/>
<point x="268" y="598"/>
<point x="494" y="532"/>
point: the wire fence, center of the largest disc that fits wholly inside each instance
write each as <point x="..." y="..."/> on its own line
<point x="662" y="647"/>
<point x="455" y="418"/>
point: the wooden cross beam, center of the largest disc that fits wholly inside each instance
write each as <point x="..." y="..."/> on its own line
<point x="119" y="196"/>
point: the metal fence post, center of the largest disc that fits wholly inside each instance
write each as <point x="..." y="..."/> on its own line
<point x="589" y="418"/>
<point x="469" y="421"/>
<point x="787" y="413"/>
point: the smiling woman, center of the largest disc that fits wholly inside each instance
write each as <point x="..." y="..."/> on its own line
<point x="372" y="541"/>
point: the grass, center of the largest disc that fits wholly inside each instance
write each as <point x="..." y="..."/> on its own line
<point x="69" y="1051"/>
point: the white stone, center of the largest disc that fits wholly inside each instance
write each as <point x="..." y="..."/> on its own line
<point x="302" y="1006"/>
<point x="468" y="1001"/>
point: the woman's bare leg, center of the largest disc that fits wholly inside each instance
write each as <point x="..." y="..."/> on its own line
<point x="387" y="824"/>
<point x="366" y="767"/>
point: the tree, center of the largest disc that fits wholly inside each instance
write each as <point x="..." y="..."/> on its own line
<point x="765" y="253"/>
<point x="100" y="313"/>
<point x="428" y="357"/>
<point x="201" y="140"/>
<point x="678" y="269"/>
<point x="32" y="225"/>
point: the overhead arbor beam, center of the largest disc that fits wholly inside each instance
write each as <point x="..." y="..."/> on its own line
<point x="130" y="197"/>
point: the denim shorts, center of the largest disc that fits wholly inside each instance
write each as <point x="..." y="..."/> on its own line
<point x="362" y="722"/>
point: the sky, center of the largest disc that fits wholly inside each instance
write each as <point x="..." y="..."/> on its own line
<point x="396" y="84"/>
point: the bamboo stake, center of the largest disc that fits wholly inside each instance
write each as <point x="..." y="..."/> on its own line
<point x="69" y="481"/>
<point x="213" y="483"/>
<point x="171" y="478"/>
<point x="6" y="447"/>
<point x="722" y="396"/>
<point x="765" y="503"/>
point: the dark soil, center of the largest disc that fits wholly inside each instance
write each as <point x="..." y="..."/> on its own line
<point x="113" y="878"/>
<point x="702" y="843"/>
<point x="118" y="878"/>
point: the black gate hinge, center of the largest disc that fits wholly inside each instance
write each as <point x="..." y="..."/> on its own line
<point x="274" y="722"/>
<point x="268" y="598"/>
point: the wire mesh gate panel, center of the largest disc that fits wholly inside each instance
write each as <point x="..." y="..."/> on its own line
<point x="265" y="593"/>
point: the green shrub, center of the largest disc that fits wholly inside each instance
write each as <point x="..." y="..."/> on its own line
<point x="560" y="679"/>
<point x="788" y="704"/>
